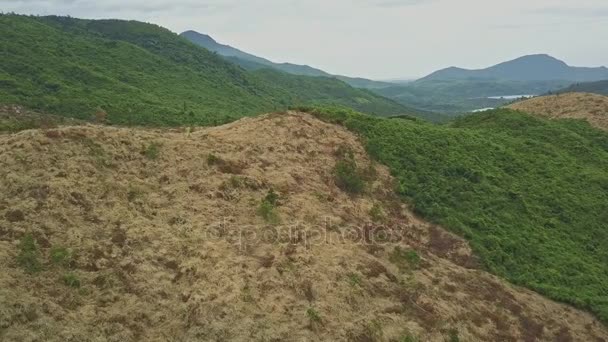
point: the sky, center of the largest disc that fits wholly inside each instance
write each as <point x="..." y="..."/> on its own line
<point x="378" y="39"/>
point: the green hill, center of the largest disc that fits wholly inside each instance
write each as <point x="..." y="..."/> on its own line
<point x="458" y="96"/>
<point x="599" y="87"/>
<point x="530" y="194"/>
<point x="144" y="74"/>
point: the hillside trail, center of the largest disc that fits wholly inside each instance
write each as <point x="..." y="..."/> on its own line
<point x="167" y="242"/>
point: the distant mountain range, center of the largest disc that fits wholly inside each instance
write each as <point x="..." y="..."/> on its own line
<point x="527" y="68"/>
<point x="252" y="62"/>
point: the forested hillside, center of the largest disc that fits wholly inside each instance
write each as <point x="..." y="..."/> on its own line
<point x="530" y="194"/>
<point x="144" y="74"/>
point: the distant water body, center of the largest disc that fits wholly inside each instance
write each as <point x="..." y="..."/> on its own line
<point x="510" y="97"/>
<point x="503" y="97"/>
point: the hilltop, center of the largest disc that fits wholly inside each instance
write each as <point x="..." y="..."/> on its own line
<point x="222" y="233"/>
<point x="144" y="74"/>
<point x="590" y="107"/>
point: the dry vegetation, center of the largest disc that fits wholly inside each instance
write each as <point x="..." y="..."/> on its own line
<point x="590" y="107"/>
<point x="116" y="234"/>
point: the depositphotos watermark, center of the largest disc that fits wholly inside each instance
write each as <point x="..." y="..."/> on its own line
<point x="308" y="235"/>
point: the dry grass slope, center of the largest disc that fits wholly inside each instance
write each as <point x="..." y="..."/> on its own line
<point x="159" y="236"/>
<point x="590" y="107"/>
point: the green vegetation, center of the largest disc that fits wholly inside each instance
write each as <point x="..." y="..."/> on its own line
<point x="143" y="74"/>
<point x="152" y="151"/>
<point x="29" y="255"/>
<point x="376" y="213"/>
<point x="405" y="259"/>
<point x="267" y="208"/>
<point x="354" y="279"/>
<point x="530" y="194"/>
<point x="458" y="96"/>
<point x="348" y="177"/>
<point x="453" y="336"/>
<point x="71" y="280"/>
<point x="60" y="256"/>
<point x="599" y="87"/>
<point x="314" y="316"/>
<point x="408" y="337"/>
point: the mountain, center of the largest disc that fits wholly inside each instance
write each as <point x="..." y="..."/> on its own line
<point x="250" y="232"/>
<point x="144" y="74"/>
<point x="228" y="51"/>
<point x="252" y="62"/>
<point x="599" y="87"/>
<point x="456" y="90"/>
<point x="540" y="67"/>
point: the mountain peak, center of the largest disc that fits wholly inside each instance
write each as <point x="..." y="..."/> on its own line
<point x="193" y="35"/>
<point x="536" y="67"/>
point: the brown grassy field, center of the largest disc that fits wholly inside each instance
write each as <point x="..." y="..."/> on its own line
<point x="119" y="234"/>
<point x="590" y="107"/>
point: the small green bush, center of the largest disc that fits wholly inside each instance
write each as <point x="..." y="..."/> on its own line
<point x="267" y="208"/>
<point x="347" y="175"/>
<point x="71" y="280"/>
<point x="354" y="279"/>
<point x="408" y="337"/>
<point x="212" y="159"/>
<point x="453" y="336"/>
<point x="29" y="255"/>
<point x="376" y="213"/>
<point x="60" y="256"/>
<point x="405" y="260"/>
<point x="314" y="316"/>
<point x="152" y="151"/>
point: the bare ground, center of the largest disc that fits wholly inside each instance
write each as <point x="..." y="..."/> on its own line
<point x="167" y="244"/>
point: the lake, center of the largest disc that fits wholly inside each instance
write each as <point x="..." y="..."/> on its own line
<point x="510" y="97"/>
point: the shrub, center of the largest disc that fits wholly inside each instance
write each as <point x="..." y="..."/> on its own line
<point x="29" y="255"/>
<point x="347" y="175"/>
<point x="60" y="256"/>
<point x="314" y="316"/>
<point x="376" y="213"/>
<point x="71" y="280"/>
<point x="152" y="151"/>
<point x="408" y="337"/>
<point x="212" y="159"/>
<point x="354" y="279"/>
<point x="453" y="336"/>
<point x="267" y="208"/>
<point x="405" y="260"/>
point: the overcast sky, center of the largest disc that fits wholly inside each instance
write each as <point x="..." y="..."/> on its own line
<point x="378" y="39"/>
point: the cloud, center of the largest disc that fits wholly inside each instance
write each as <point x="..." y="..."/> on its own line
<point x="370" y="38"/>
<point x="572" y="11"/>
<point x="396" y="3"/>
<point x="111" y="6"/>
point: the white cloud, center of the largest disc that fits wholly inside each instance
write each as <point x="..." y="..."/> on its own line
<point x="371" y="38"/>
